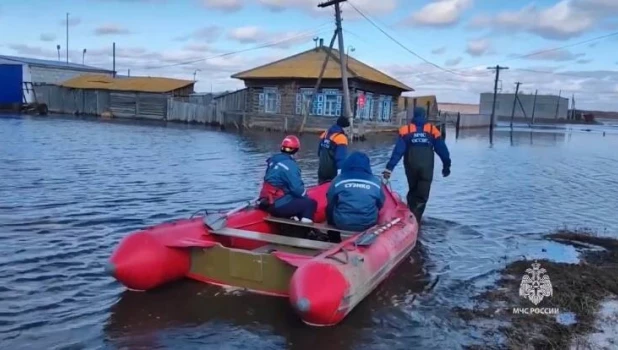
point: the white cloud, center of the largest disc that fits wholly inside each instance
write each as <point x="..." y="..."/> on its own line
<point x="439" y="50"/>
<point x="111" y="29"/>
<point x="369" y="7"/>
<point x="247" y="34"/>
<point x="73" y="21"/>
<point x="478" y="47"/>
<point x="199" y="48"/>
<point x="563" y="20"/>
<point x="440" y="13"/>
<point x="584" y="61"/>
<point x="255" y="34"/>
<point x="208" y="33"/>
<point x="223" y="5"/>
<point x="560" y="55"/>
<point x="47" y="37"/>
<point x="453" y="61"/>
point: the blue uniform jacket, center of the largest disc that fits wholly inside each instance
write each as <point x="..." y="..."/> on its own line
<point x="355" y="196"/>
<point x="341" y="149"/>
<point x="283" y="172"/>
<point x="430" y="138"/>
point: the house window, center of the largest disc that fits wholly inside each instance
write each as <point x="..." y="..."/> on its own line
<point x="365" y="112"/>
<point x="270" y="101"/>
<point x="301" y="101"/>
<point x="332" y="102"/>
<point x="385" y="108"/>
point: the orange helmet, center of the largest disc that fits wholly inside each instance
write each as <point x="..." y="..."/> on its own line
<point x="290" y="144"/>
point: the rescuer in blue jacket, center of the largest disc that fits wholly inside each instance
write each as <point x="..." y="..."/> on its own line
<point x="283" y="192"/>
<point x="332" y="150"/>
<point x="417" y="143"/>
<point x="355" y="196"/>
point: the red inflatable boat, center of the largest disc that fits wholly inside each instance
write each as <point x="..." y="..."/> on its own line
<point x="249" y="249"/>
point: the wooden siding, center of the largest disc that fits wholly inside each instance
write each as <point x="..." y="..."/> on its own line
<point x="289" y="88"/>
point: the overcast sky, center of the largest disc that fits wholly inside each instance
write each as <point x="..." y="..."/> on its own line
<point x="456" y="40"/>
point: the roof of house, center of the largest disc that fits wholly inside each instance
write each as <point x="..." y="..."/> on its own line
<point x="54" y="64"/>
<point x="139" y="84"/>
<point x="308" y="64"/>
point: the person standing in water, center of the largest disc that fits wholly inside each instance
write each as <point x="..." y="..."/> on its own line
<point x="417" y="143"/>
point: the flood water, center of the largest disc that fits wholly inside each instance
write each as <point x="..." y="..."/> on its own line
<point x="71" y="189"/>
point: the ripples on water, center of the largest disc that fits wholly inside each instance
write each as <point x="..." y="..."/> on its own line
<point x="71" y="189"/>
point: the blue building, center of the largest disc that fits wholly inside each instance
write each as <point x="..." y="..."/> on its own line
<point x="40" y="72"/>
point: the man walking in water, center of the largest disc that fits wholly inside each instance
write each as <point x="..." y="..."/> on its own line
<point x="332" y="150"/>
<point x="417" y="142"/>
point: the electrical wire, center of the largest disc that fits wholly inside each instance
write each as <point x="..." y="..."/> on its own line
<point x="400" y="44"/>
<point x="551" y="73"/>
<point x="308" y="33"/>
<point x="535" y="53"/>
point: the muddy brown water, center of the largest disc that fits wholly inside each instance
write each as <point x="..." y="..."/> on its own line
<point x="70" y="189"/>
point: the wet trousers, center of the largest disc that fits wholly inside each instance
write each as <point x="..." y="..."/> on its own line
<point x="301" y="207"/>
<point x="419" y="186"/>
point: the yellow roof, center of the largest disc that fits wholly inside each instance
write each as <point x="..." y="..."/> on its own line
<point x="139" y="84"/>
<point x="308" y="64"/>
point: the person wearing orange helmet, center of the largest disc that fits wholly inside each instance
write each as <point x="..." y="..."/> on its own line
<point x="283" y="192"/>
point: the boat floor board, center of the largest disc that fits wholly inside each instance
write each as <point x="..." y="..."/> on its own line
<point x="274" y="239"/>
<point x="269" y="248"/>
<point x="315" y="225"/>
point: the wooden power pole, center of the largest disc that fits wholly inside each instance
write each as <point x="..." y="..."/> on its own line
<point x="514" y="103"/>
<point x="498" y="68"/>
<point x="309" y="103"/>
<point x="342" y="60"/>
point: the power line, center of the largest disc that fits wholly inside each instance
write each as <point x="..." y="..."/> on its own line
<point x="551" y="73"/>
<point x="400" y="44"/>
<point x="310" y="33"/>
<point x="586" y="41"/>
<point x="563" y="47"/>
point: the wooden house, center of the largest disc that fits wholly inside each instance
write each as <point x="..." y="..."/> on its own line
<point x="285" y="86"/>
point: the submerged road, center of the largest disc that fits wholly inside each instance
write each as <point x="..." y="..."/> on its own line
<point x="70" y="189"/>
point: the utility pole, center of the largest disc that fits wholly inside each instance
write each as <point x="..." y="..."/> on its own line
<point x="493" y="107"/>
<point x="114" y="59"/>
<point x="536" y="92"/>
<point x="309" y="104"/>
<point x="515" y="98"/>
<point x="67" y="37"/>
<point x="342" y="62"/>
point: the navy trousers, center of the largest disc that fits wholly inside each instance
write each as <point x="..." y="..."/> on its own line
<point x="301" y="207"/>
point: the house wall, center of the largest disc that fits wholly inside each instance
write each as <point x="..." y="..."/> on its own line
<point x="545" y="106"/>
<point x="48" y="75"/>
<point x="289" y="98"/>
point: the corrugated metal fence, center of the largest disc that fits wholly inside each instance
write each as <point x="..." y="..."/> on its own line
<point x="95" y="102"/>
<point x="71" y="101"/>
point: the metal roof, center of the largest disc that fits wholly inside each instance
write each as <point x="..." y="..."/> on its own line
<point x="138" y="84"/>
<point x="54" y="64"/>
<point x="308" y="64"/>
